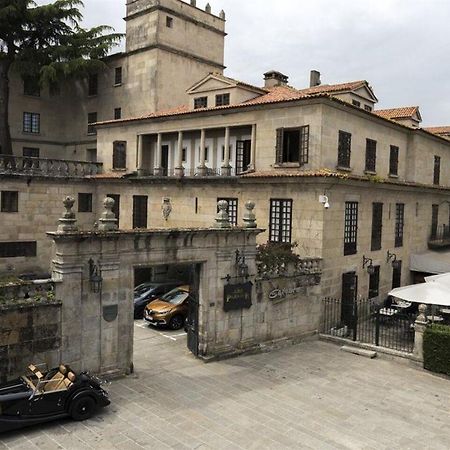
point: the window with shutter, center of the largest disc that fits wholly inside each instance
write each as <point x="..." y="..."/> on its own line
<point x="393" y="161"/>
<point x="377" y="225"/>
<point x="371" y="155"/>
<point x="292" y="145"/>
<point x="350" y="228"/>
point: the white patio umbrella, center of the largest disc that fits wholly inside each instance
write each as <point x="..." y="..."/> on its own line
<point x="443" y="278"/>
<point x="432" y="293"/>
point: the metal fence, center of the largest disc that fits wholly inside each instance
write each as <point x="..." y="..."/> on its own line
<point x="367" y="321"/>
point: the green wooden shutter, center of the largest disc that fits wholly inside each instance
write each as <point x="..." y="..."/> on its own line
<point x="279" y="146"/>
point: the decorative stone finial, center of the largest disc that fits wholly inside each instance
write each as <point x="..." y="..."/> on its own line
<point x="67" y="222"/>
<point x="208" y="8"/>
<point x="108" y="221"/>
<point x="222" y="14"/>
<point x="249" y="215"/>
<point x="222" y="218"/>
<point x="422" y="317"/>
<point x="166" y="208"/>
<point x="194" y="3"/>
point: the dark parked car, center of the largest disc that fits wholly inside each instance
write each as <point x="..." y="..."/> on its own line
<point x="146" y="292"/>
<point x="44" y="396"/>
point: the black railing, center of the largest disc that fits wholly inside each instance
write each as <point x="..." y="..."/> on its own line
<point x="439" y="237"/>
<point x="48" y="167"/>
<point x="369" y="322"/>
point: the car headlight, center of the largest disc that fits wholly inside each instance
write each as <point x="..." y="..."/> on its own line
<point x="163" y="313"/>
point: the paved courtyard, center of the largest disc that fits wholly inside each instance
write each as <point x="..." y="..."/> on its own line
<point x="307" y="396"/>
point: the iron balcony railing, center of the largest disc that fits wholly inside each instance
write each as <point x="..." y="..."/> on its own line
<point x="48" y="167"/>
<point x="439" y="237"/>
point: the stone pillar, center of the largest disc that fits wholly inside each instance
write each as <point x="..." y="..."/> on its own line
<point x="158" y="169"/>
<point x="68" y="221"/>
<point x="179" y="170"/>
<point x="222" y="218"/>
<point x="419" y="328"/>
<point x="202" y="166"/>
<point x="140" y="155"/>
<point x="226" y="168"/>
<point x="253" y="150"/>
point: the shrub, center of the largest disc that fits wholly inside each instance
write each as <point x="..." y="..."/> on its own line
<point x="436" y="349"/>
<point x="276" y="256"/>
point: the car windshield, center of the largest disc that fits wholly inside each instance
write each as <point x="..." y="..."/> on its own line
<point x="175" y="297"/>
<point x="144" y="289"/>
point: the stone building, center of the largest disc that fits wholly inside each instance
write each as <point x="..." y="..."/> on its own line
<point x="350" y="184"/>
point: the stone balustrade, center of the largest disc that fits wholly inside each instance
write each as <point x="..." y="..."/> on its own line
<point x="24" y="165"/>
<point x="305" y="266"/>
<point x="24" y="291"/>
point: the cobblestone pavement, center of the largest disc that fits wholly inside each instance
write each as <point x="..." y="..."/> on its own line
<point x="305" y="396"/>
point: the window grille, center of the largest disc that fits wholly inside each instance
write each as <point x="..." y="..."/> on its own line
<point x="222" y="99"/>
<point x="117" y="113"/>
<point x="232" y="210"/>
<point x="31" y="122"/>
<point x="377" y="226"/>
<point x="292" y="145"/>
<point x="84" y="202"/>
<point x="119" y="155"/>
<point x="10" y="201"/>
<point x="140" y="208"/>
<point x="437" y="170"/>
<point x="344" y="149"/>
<point x="350" y="228"/>
<point x="280" y="221"/>
<point x="371" y="155"/>
<point x="399" y="223"/>
<point x="393" y="161"/>
<point x="200" y="102"/>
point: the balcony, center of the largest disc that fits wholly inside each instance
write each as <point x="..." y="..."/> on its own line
<point x="439" y="238"/>
<point x="206" y="172"/>
<point x="44" y="167"/>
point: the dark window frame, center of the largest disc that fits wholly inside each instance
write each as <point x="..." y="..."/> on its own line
<point x="292" y="145"/>
<point x="119" y="156"/>
<point x="31" y="87"/>
<point x="140" y="211"/>
<point x="92" y="118"/>
<point x="9" y="201"/>
<point x="18" y="249"/>
<point x="30" y="152"/>
<point x="117" y="113"/>
<point x="84" y="202"/>
<point x="434" y="220"/>
<point x="201" y="102"/>
<point x="351" y="228"/>
<point x="232" y="210"/>
<point x="368" y="108"/>
<point x="374" y="282"/>
<point x="223" y="99"/>
<point x="437" y="170"/>
<point x="397" y="275"/>
<point x="31" y="122"/>
<point x="93" y="85"/>
<point x="399" y="224"/>
<point x="118" y="76"/>
<point x="344" y="149"/>
<point x="371" y="155"/>
<point x="393" y="160"/>
<point x="169" y="22"/>
<point x="280" y="220"/>
<point x="377" y="226"/>
<point x="356" y="103"/>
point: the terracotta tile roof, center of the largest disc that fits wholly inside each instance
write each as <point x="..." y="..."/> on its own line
<point x="295" y="173"/>
<point x="438" y="130"/>
<point x="334" y="88"/>
<point x="405" y="112"/>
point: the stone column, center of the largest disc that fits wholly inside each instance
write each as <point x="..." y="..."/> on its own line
<point x="226" y="168"/>
<point x="158" y="169"/>
<point x="202" y="166"/>
<point x="179" y="170"/>
<point x="252" y="150"/>
<point x="419" y="328"/>
<point x="140" y="155"/>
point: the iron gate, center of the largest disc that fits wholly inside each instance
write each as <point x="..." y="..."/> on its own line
<point x="369" y="322"/>
<point x="192" y="319"/>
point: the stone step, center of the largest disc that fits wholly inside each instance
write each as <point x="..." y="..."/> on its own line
<point x="359" y="351"/>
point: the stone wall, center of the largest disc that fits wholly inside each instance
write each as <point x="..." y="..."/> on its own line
<point x="30" y="330"/>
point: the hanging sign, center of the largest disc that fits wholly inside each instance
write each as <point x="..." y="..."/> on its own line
<point x="237" y="296"/>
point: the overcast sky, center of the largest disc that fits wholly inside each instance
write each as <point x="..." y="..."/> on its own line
<point x="400" y="46"/>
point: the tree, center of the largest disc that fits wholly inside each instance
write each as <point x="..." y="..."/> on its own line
<point x="46" y="43"/>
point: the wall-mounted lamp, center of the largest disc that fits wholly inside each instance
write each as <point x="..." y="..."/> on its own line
<point x="369" y="263"/>
<point x="393" y="257"/>
<point x="95" y="277"/>
<point x="324" y="200"/>
<point x="241" y="265"/>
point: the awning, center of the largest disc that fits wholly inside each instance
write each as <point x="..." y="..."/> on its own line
<point x="432" y="293"/>
<point x="443" y="278"/>
<point x="431" y="262"/>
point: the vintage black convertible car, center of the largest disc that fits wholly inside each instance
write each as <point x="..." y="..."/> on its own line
<point x="43" y="396"/>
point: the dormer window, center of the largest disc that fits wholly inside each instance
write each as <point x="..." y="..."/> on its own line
<point x="200" y="102"/>
<point x="368" y="108"/>
<point x="356" y="103"/>
<point x="222" y="99"/>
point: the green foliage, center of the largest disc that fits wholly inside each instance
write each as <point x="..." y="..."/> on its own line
<point x="375" y="178"/>
<point x="276" y="256"/>
<point x="436" y="349"/>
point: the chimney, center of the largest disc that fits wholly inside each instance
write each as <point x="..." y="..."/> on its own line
<point x="208" y="8"/>
<point x="274" y="78"/>
<point x="314" y="79"/>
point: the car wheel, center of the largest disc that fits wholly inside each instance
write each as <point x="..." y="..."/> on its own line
<point x="82" y="408"/>
<point x="176" y="322"/>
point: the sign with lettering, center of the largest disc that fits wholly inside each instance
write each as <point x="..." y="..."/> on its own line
<point x="278" y="293"/>
<point x="237" y="296"/>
